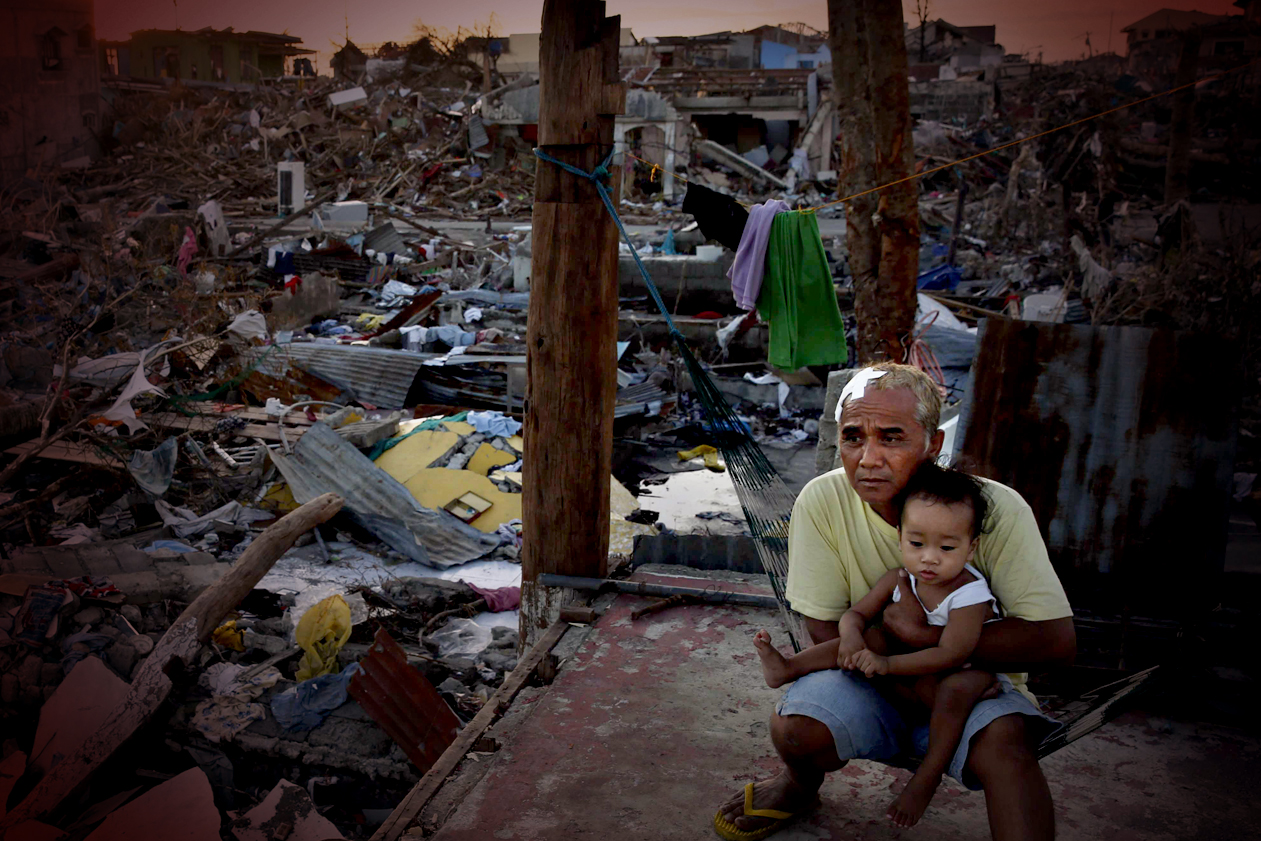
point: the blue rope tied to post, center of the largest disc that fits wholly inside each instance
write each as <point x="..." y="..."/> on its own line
<point x="597" y="177"/>
<point x="766" y="500"/>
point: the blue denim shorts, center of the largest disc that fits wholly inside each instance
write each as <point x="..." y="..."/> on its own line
<point x="865" y="725"/>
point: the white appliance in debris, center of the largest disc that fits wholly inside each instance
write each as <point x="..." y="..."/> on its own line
<point x="291" y="186"/>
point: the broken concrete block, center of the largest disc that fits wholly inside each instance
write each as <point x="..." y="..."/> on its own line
<point x="132" y="614"/>
<point x="181" y="809"/>
<point x="347" y="98"/>
<point x="367" y="433"/>
<point x="122" y="656"/>
<point x="286" y="805"/>
<point x="346" y="212"/>
<point x="76" y="710"/>
<point x="89" y="616"/>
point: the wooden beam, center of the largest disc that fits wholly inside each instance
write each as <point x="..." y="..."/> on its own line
<point x="68" y="451"/>
<point x="152" y="683"/>
<point x="201" y="423"/>
<point x="409" y="809"/>
<point x="571" y="377"/>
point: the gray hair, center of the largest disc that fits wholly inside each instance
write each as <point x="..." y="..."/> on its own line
<point x="927" y="394"/>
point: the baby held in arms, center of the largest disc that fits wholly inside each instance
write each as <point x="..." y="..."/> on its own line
<point x="942" y="512"/>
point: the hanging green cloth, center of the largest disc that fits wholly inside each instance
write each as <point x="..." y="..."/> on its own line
<point x="797" y="299"/>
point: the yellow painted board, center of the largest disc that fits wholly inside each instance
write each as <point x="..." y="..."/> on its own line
<point x="517" y="443"/>
<point x="622" y="535"/>
<point x="486" y="458"/>
<point x="500" y="476"/>
<point x="279" y="498"/>
<point x="434" y="487"/>
<point x="621" y="501"/>
<point x="459" y="427"/>
<point x="416" y="452"/>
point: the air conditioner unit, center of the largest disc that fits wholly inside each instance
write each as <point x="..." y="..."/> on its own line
<point x="291" y="186"/>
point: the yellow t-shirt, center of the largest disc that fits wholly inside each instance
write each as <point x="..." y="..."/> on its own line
<point x="838" y="548"/>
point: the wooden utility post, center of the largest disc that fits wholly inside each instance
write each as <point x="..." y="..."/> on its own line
<point x="870" y="84"/>
<point x="571" y="377"/>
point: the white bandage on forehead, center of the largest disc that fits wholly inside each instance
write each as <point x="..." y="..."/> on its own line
<point x="857" y="387"/>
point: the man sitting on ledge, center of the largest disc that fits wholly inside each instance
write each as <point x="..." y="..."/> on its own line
<point x="842" y="539"/>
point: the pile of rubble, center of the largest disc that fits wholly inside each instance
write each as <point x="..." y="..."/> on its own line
<point x="240" y="309"/>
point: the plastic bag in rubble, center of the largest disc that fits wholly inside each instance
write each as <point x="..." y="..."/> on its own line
<point x="321" y="633"/>
<point x="312" y="596"/>
<point x="461" y="638"/>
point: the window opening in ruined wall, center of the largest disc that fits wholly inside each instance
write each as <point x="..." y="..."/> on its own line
<point x="50" y="50"/>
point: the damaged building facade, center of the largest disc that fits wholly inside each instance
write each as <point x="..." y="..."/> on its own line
<point x="211" y="55"/>
<point x="50" y="86"/>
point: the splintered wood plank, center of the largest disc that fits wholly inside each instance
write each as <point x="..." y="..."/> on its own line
<point x="69" y="451"/>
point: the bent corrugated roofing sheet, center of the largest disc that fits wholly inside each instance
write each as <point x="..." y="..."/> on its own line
<point x="322" y="463"/>
<point x="378" y="376"/>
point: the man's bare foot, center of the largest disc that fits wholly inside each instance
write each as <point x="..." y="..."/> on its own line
<point x="908" y="807"/>
<point x="780" y="792"/>
<point x="774" y="665"/>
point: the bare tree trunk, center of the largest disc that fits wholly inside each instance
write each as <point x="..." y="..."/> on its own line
<point x="893" y="314"/>
<point x="857" y="169"/>
<point x="1178" y="167"/>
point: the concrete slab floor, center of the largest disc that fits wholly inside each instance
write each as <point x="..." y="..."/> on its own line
<point x="653" y="723"/>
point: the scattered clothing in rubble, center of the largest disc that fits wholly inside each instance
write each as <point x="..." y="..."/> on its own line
<point x="306" y="705"/>
<point x="721" y="218"/>
<point x="79" y="646"/>
<point x="494" y="424"/>
<point x="93" y="587"/>
<point x="395" y="293"/>
<point x="186" y="523"/>
<point x="798" y="299"/>
<point x="414" y="338"/>
<point x="511" y="530"/>
<point x="249" y="325"/>
<point x="154" y="469"/>
<point x="500" y="598"/>
<point x="231" y="708"/>
<point x="747" y="270"/>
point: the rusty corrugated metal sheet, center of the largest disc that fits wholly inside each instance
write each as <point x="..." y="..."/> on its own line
<point x="375" y="375"/>
<point x="403" y="702"/>
<point x="1122" y="440"/>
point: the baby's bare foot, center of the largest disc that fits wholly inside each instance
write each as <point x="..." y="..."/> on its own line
<point x="774" y="666"/>
<point x="908" y="807"/>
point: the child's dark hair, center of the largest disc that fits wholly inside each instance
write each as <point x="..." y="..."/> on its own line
<point x="950" y="487"/>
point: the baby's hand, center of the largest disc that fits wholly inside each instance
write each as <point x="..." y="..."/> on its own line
<point x="849" y="647"/>
<point x="870" y="663"/>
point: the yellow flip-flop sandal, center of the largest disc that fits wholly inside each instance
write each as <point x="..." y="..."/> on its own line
<point x="728" y="830"/>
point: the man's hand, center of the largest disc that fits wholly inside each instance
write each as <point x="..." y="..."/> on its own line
<point x="905" y="619"/>
<point x="851" y="644"/>
<point x="870" y="663"/>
